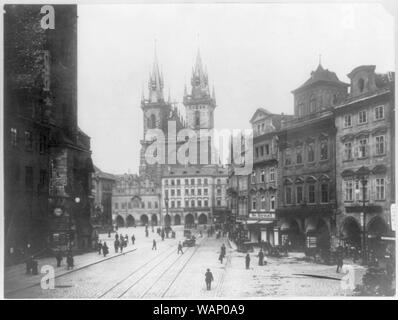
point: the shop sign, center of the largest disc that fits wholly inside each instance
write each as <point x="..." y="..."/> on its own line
<point x="262" y="215"/>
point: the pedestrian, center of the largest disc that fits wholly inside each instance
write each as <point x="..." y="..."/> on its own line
<point x="223" y="249"/>
<point x="132" y="239"/>
<point x="154" y="245"/>
<point x="247" y="261"/>
<point x="163" y="235"/>
<point x="121" y="245"/>
<point x="340" y="262"/>
<point x="208" y="278"/>
<point x="146" y="233"/>
<point x="105" y="249"/>
<point x="261" y="257"/>
<point x="180" y="248"/>
<point x="221" y="257"/>
<point x="69" y="260"/>
<point x="99" y="246"/>
<point x="116" y="245"/>
<point x="58" y="257"/>
<point x="116" y="236"/>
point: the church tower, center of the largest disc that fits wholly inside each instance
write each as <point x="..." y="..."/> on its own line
<point x="156" y="114"/>
<point x="200" y="105"/>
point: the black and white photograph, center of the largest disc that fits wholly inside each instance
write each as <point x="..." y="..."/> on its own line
<point x="198" y="151"/>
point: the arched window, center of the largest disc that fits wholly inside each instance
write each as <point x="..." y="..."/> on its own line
<point x="312" y="104"/>
<point x="152" y="122"/>
<point x="311" y="154"/>
<point x="324" y="149"/>
<point x="361" y="85"/>
<point x="197" y="118"/>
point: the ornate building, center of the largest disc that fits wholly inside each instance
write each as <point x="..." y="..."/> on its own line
<point x="263" y="188"/>
<point x="47" y="158"/>
<point x="307" y="203"/>
<point x="365" y="156"/>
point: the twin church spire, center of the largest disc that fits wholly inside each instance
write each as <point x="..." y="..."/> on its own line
<point x="199" y="82"/>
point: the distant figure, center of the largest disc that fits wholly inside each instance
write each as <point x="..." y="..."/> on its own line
<point x="69" y="260"/>
<point x="154" y="245"/>
<point x="261" y="257"/>
<point x="163" y="234"/>
<point x="116" y="245"/>
<point x="116" y="236"/>
<point x="208" y="278"/>
<point x="132" y="239"/>
<point x="221" y="257"/>
<point x="223" y="249"/>
<point x="340" y="262"/>
<point x="121" y="245"/>
<point x="180" y="248"/>
<point x="146" y="233"/>
<point x="105" y="249"/>
<point x="99" y="247"/>
<point x="247" y="261"/>
<point x="58" y="257"/>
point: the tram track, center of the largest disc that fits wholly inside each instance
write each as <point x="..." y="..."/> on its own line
<point x="114" y="291"/>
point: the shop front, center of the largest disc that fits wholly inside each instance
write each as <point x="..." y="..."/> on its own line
<point x="261" y="228"/>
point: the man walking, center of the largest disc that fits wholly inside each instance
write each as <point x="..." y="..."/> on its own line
<point x="132" y="239"/>
<point x="223" y="250"/>
<point x="221" y="257"/>
<point x="261" y="257"/>
<point x="247" y="261"/>
<point x="99" y="247"/>
<point x="154" y="245"/>
<point x="105" y="249"/>
<point x="340" y="261"/>
<point x="208" y="278"/>
<point x="116" y="244"/>
<point x="180" y="248"/>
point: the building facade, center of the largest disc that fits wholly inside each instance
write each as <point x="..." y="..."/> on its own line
<point x="194" y="195"/>
<point x="102" y="184"/>
<point x="263" y="189"/>
<point x="135" y="201"/>
<point x="365" y="156"/>
<point x="308" y="200"/>
<point x="47" y="158"/>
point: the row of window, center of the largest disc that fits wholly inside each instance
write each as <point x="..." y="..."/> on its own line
<point x="310" y="152"/>
<point x="263" y="204"/>
<point x="193" y="203"/>
<point x="362" y="148"/>
<point x="177" y="182"/>
<point x="306" y="194"/>
<point x="30" y="177"/>
<point x="378" y="114"/>
<point x="354" y="190"/>
<point x="177" y="192"/>
<point x="262" y="150"/>
<point x="136" y="204"/>
<point x="263" y="176"/>
<point x="28" y="140"/>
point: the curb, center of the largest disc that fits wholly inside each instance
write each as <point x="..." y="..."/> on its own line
<point x="71" y="271"/>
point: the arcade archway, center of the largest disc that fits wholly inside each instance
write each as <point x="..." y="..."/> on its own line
<point x="154" y="220"/>
<point x="130" y="221"/>
<point x="119" y="221"/>
<point x="189" y="220"/>
<point x="351" y="232"/>
<point x="144" y="220"/>
<point x="202" y="219"/>
<point x="167" y="220"/>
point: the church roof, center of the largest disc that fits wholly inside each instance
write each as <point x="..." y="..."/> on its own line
<point x="321" y="75"/>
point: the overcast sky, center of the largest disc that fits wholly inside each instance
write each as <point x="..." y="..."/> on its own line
<point x="255" y="55"/>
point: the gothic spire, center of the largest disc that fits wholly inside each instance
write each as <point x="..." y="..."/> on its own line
<point x="155" y="84"/>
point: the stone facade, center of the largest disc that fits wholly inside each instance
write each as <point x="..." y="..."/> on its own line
<point x="47" y="159"/>
<point x="365" y="148"/>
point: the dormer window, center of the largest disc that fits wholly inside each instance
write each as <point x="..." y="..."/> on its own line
<point x="312" y="104"/>
<point x="361" y="85"/>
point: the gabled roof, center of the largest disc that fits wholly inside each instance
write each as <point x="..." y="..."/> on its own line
<point x="258" y="112"/>
<point x="321" y="75"/>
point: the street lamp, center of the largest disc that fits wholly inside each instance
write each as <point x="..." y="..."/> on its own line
<point x="166" y="201"/>
<point x="363" y="180"/>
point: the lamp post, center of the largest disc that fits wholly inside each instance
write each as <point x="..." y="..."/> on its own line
<point x="166" y="201"/>
<point x="364" y="182"/>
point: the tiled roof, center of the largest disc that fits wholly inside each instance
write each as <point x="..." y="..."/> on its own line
<point x="321" y="75"/>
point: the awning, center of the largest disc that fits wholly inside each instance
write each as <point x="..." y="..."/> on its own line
<point x="259" y="221"/>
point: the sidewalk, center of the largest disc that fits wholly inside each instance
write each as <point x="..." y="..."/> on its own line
<point x="15" y="277"/>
